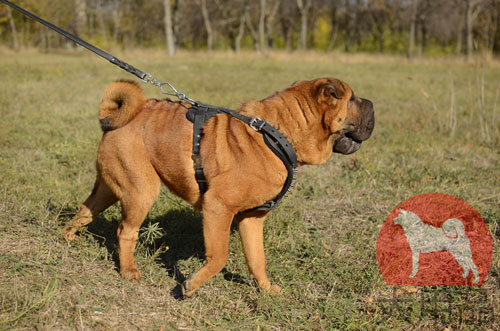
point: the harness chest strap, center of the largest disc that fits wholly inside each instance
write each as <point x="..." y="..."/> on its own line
<point x="200" y="113"/>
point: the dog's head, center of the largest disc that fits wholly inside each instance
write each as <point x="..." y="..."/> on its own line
<point x="348" y="118"/>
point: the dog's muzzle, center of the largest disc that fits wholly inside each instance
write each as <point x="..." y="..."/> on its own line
<point x="358" y="131"/>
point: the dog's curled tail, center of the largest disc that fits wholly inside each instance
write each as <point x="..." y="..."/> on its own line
<point x="454" y="228"/>
<point x="122" y="100"/>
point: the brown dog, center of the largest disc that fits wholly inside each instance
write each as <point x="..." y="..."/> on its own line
<point x="150" y="142"/>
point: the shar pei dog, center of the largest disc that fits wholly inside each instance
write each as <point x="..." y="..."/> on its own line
<point x="150" y="141"/>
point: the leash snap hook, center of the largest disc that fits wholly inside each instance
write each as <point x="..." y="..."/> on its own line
<point x="181" y="96"/>
<point x="147" y="78"/>
<point x="254" y="124"/>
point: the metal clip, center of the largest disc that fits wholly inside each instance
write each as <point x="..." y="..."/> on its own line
<point x="149" y="79"/>
<point x="181" y="96"/>
<point x="254" y="122"/>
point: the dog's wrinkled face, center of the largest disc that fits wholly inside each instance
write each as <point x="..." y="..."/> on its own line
<point x="357" y="127"/>
<point x="358" y="123"/>
<point x="348" y="118"/>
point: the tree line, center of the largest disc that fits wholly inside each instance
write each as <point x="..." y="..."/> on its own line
<point x="411" y="27"/>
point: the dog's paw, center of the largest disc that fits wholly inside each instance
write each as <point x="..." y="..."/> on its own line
<point x="69" y="233"/>
<point x="130" y="273"/>
<point x="274" y="289"/>
<point x="186" y="289"/>
<point x="271" y="289"/>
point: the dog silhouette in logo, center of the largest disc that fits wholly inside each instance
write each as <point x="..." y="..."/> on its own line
<point x="424" y="238"/>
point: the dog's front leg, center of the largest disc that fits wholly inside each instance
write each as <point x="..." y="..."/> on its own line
<point x="251" y="232"/>
<point x="216" y="227"/>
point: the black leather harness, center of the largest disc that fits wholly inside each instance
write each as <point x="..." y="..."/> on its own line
<point x="199" y="113"/>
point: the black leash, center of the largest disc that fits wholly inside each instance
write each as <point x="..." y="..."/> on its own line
<point x="100" y="52"/>
<point x="198" y="114"/>
<point x="144" y="76"/>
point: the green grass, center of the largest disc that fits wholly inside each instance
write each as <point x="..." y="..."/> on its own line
<point x="320" y="243"/>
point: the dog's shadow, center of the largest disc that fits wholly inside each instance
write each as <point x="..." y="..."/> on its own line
<point x="182" y="239"/>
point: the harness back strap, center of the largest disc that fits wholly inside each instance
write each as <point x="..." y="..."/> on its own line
<point x="200" y="113"/>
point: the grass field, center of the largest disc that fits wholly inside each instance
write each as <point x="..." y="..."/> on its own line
<point x="437" y="130"/>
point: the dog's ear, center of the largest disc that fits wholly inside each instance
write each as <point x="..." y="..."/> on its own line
<point x="333" y="88"/>
<point x="331" y="99"/>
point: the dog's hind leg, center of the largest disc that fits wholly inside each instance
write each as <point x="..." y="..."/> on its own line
<point x="251" y="233"/>
<point x="99" y="200"/>
<point x="136" y="200"/>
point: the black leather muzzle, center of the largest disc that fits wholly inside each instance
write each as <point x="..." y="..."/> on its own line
<point x="359" y="127"/>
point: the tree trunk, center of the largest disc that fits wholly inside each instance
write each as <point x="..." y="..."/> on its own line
<point x="304" y="6"/>
<point x="333" y="38"/>
<point x="253" y="33"/>
<point x="289" y="38"/>
<point x="81" y="17"/>
<point x="206" y="21"/>
<point x="335" y="29"/>
<point x="262" y="26"/>
<point x="15" y="41"/>
<point x="269" y="23"/>
<point x="311" y="39"/>
<point x="100" y="22"/>
<point x="168" y="28"/>
<point x="472" y="10"/>
<point x="421" y="35"/>
<point x="425" y="38"/>
<point x="348" y="26"/>
<point x="175" y="23"/>
<point x="496" y="25"/>
<point x="460" y="34"/>
<point x="116" y="14"/>
<point x="241" y="31"/>
<point x="91" y="26"/>
<point x="44" y="34"/>
<point x="381" y="39"/>
<point x="468" y="29"/>
<point x="411" y="42"/>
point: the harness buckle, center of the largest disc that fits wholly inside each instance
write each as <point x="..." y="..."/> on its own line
<point x="254" y="124"/>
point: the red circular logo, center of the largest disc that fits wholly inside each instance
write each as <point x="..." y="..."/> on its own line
<point x="434" y="239"/>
